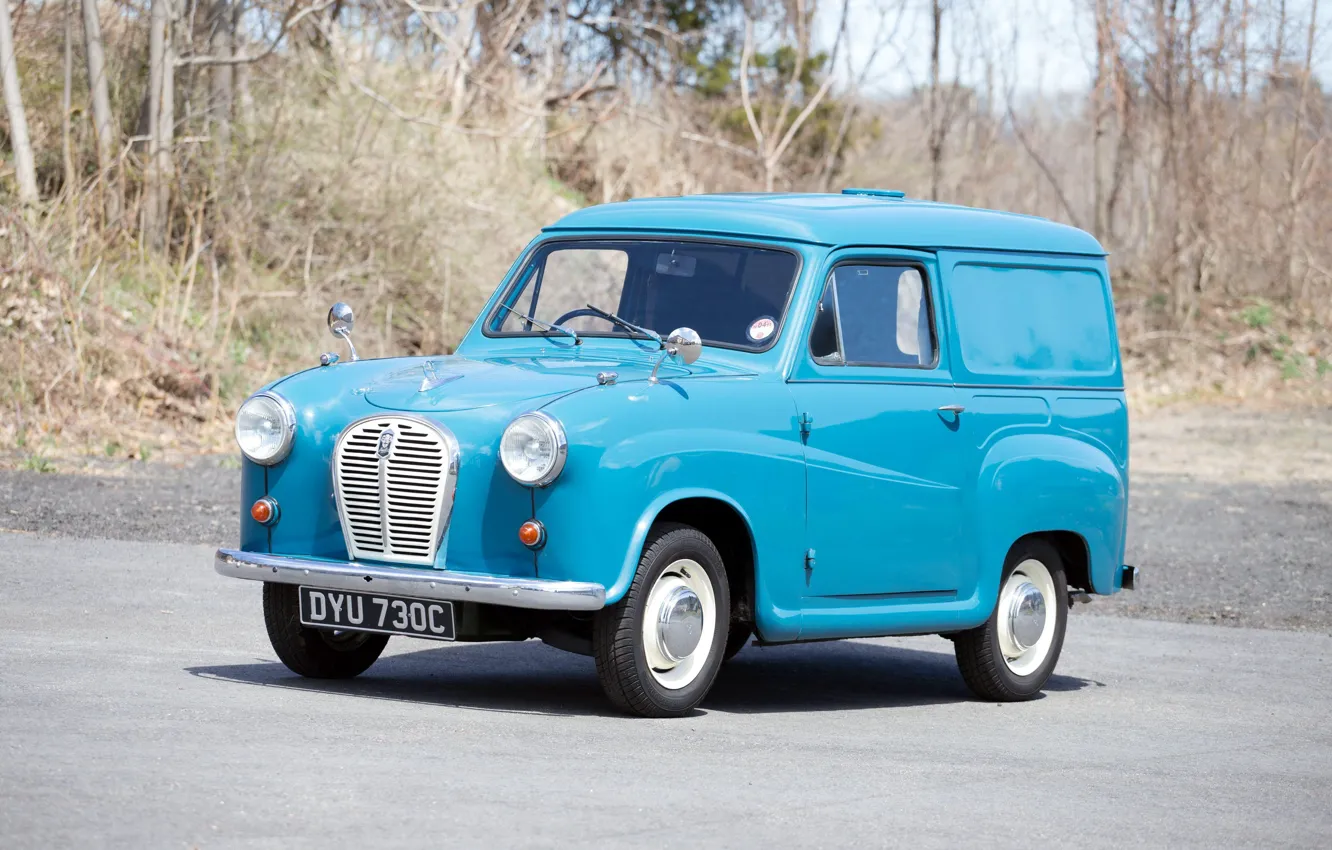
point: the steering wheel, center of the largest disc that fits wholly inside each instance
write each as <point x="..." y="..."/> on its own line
<point x="573" y="314"/>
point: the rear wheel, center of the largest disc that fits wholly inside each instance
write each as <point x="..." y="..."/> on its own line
<point x="1012" y="655"/>
<point x="659" y="648"/>
<point x="316" y="653"/>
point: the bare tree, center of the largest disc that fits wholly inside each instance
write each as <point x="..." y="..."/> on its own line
<point x="773" y="136"/>
<point x="66" y="100"/>
<point x="885" y="34"/>
<point x="103" y="123"/>
<point x="221" y="39"/>
<point x="161" y="122"/>
<point x="934" y="100"/>
<point x="24" y="168"/>
<point x="1295" y="168"/>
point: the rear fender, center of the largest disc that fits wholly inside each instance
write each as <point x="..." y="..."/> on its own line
<point x="1031" y="483"/>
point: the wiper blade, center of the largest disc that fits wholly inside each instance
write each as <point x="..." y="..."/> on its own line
<point x="541" y="324"/>
<point x="625" y="323"/>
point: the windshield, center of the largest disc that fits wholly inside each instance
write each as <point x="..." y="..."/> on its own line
<point x="732" y="295"/>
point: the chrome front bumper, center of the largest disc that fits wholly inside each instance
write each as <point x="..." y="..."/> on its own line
<point x="538" y="593"/>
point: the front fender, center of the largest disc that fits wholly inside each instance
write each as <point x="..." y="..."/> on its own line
<point x="636" y="448"/>
<point x="1050" y="482"/>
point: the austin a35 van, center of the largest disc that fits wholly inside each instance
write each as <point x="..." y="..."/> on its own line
<point x="682" y="423"/>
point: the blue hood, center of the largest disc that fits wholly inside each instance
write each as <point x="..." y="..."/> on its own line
<point x="475" y="398"/>
<point x="450" y="383"/>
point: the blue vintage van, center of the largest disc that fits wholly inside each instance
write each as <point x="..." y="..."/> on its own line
<point x="680" y="423"/>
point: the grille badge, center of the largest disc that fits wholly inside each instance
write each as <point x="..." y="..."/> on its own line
<point x="385" y="442"/>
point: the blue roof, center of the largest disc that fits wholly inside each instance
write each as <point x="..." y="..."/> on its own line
<point x="847" y="219"/>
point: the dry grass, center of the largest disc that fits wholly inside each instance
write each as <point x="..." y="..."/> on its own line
<point x="117" y="352"/>
<point x="349" y="176"/>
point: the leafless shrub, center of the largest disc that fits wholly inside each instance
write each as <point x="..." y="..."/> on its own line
<point x="200" y="202"/>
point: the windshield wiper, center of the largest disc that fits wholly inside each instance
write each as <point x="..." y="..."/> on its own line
<point x="546" y="325"/>
<point x="628" y="325"/>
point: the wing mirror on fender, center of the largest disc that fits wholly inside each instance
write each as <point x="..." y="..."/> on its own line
<point x="340" y="324"/>
<point x="682" y="343"/>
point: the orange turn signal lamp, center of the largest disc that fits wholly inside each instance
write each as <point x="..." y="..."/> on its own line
<point x="532" y="534"/>
<point x="264" y="511"/>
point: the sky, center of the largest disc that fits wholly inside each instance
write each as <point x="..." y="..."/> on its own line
<point x="1055" y="42"/>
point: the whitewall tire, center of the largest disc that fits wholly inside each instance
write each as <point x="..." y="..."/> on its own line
<point x="659" y="647"/>
<point x="1013" y="654"/>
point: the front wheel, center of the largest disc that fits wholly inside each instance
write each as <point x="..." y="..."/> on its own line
<point x="659" y="648"/>
<point x="316" y="653"/>
<point x="1012" y="655"/>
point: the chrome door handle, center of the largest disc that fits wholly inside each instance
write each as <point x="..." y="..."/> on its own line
<point x="952" y="408"/>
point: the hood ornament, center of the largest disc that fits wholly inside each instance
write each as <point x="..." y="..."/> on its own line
<point x="433" y="380"/>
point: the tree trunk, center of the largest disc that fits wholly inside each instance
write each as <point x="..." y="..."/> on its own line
<point x="103" y="127"/>
<point x="24" y="168"/>
<point x="465" y="33"/>
<point x="161" y="120"/>
<point x="219" y="107"/>
<point x="936" y="130"/>
<point x="66" y="98"/>
<point x="1100" y="108"/>
<point x="242" y="112"/>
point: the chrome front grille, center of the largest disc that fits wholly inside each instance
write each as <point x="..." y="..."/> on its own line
<point x="394" y="478"/>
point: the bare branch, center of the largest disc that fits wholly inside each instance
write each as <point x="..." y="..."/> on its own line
<point x="746" y="54"/>
<point x="289" y="21"/>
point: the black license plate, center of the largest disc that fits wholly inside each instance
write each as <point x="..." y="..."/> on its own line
<point x="373" y="612"/>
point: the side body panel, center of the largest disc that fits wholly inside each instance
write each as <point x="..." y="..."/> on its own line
<point x="1046" y="420"/>
<point x="887" y="483"/>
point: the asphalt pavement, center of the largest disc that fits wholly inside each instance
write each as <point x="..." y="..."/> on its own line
<point x="1211" y="549"/>
<point x="141" y="706"/>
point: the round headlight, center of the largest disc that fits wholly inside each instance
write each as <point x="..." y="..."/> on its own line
<point x="264" y="428"/>
<point x="533" y="449"/>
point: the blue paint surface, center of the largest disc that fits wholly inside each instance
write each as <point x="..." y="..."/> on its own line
<point x="910" y="510"/>
<point x="836" y="220"/>
<point x="1047" y="323"/>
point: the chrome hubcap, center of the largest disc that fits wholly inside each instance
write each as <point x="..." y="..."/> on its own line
<point x="1026" y="615"/>
<point x="1026" y="621"/>
<point x="679" y="623"/>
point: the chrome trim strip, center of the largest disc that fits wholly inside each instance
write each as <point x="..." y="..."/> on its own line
<point x="536" y="593"/>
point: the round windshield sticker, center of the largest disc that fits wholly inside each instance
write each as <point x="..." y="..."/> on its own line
<point x="762" y="328"/>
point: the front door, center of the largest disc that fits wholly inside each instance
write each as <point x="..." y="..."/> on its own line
<point x="883" y="450"/>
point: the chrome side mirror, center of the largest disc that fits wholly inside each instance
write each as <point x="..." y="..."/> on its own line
<point x="340" y="324"/>
<point x="682" y="343"/>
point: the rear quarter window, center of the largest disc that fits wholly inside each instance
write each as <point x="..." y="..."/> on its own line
<point x="1032" y="321"/>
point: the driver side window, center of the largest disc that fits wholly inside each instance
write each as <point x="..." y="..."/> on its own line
<point x="567" y="281"/>
<point x="874" y="315"/>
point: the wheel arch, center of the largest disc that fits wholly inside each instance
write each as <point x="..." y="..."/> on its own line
<point x="729" y="530"/>
<point x="715" y="514"/>
<point x="1073" y="553"/>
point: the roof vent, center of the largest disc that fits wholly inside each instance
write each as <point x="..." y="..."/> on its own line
<point x="894" y="194"/>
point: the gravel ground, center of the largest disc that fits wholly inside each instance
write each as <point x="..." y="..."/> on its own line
<point x="1231" y="514"/>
